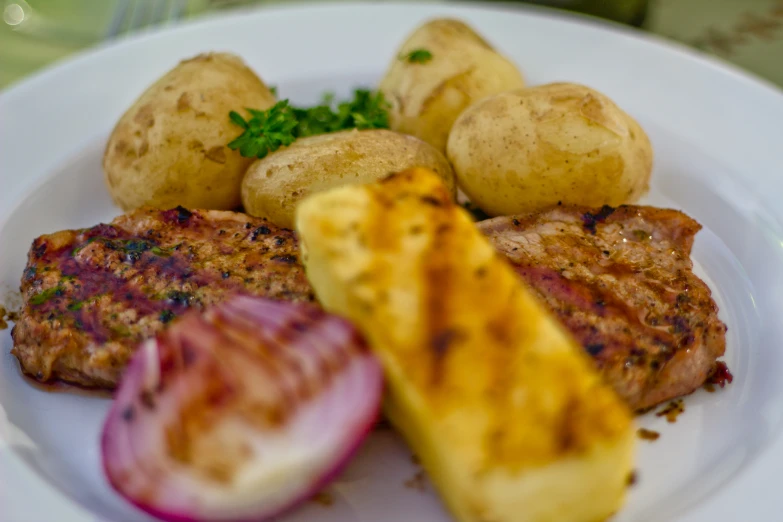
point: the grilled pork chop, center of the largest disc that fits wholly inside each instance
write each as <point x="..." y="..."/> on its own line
<point x="92" y="295"/>
<point x="621" y="281"/>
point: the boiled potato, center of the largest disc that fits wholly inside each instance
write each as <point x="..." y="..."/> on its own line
<point x="275" y="184"/>
<point x="170" y="149"/>
<point x="427" y="94"/>
<point x="526" y="149"/>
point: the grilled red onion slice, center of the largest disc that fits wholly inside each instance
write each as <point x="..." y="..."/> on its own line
<point x="241" y="412"/>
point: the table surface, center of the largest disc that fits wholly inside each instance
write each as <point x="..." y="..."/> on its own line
<point x="36" y="33"/>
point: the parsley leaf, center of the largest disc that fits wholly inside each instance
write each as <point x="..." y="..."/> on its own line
<point x="166" y="316"/>
<point x="316" y="120"/>
<point x="327" y="98"/>
<point x="41" y="297"/>
<point x="417" y="56"/>
<point x="266" y="131"/>
<point x="237" y="119"/>
<point x="75" y="306"/>
<point x="365" y="111"/>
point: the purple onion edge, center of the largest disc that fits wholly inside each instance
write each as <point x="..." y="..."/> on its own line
<point x="326" y="479"/>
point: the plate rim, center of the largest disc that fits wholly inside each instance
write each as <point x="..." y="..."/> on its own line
<point x="67" y="509"/>
<point x="534" y="10"/>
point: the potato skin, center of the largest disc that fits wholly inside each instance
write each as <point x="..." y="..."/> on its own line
<point x="426" y="98"/>
<point x="526" y="149"/>
<point x="274" y="185"/>
<point x="169" y="148"/>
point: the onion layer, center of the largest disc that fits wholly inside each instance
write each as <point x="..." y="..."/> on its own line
<point x="241" y="412"/>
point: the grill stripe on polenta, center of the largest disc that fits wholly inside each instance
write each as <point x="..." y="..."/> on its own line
<point x="504" y="410"/>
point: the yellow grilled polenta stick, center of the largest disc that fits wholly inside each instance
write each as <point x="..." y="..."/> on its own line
<point x="506" y="413"/>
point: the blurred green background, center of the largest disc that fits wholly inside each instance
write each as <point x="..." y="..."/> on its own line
<point x="35" y="33"/>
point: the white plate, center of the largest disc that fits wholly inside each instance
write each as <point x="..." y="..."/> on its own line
<point x="717" y="138"/>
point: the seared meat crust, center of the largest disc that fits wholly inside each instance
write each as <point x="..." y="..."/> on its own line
<point x="91" y="295"/>
<point x="621" y="281"/>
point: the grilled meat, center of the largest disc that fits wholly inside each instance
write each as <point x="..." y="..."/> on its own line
<point x="92" y="295"/>
<point x="621" y="281"/>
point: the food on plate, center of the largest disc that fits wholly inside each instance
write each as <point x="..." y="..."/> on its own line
<point x="240" y="412"/>
<point x="440" y="70"/>
<point x="514" y="349"/>
<point x="91" y="295"/>
<point x="502" y="406"/>
<point x="266" y="131"/>
<point x="7" y="315"/>
<point x="621" y="280"/>
<point x="170" y="149"/>
<point x="527" y="149"/>
<point x="274" y="185"/>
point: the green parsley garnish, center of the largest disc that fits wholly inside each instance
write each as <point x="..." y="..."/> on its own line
<point x="367" y="110"/>
<point x="75" y="306"/>
<point x="78" y="305"/>
<point x="417" y="56"/>
<point x="82" y="246"/>
<point x="47" y="294"/>
<point x="163" y="252"/>
<point x="328" y="98"/>
<point x="266" y="131"/>
<point x="131" y="247"/>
